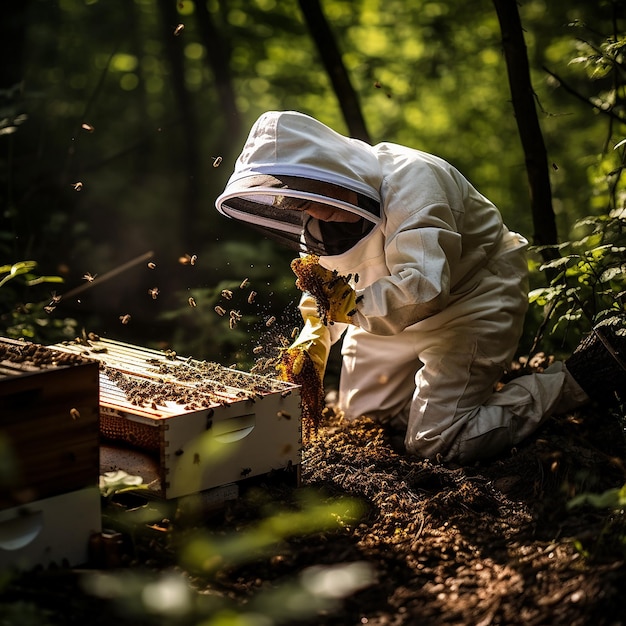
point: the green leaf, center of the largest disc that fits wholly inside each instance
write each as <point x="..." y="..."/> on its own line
<point x="560" y="262"/>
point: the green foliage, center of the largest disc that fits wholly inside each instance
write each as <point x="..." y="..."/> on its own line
<point x="205" y="555"/>
<point x="610" y="499"/>
<point x="20" y="319"/>
<point x="589" y="276"/>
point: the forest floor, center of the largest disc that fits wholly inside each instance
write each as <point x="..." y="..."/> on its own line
<point x="494" y="543"/>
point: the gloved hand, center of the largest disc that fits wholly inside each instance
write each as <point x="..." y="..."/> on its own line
<point x="336" y="299"/>
<point x="314" y="342"/>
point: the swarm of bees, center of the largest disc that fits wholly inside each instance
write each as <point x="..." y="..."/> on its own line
<point x="297" y="367"/>
<point x="319" y="282"/>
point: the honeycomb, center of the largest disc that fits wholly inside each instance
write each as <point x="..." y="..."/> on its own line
<point x="297" y="367"/>
<point x="321" y="283"/>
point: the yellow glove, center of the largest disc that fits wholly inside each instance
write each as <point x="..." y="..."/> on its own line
<point x="314" y="341"/>
<point x="336" y="299"/>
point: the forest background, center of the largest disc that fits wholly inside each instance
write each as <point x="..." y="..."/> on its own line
<point x="120" y="123"/>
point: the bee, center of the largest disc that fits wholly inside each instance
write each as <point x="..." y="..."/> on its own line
<point x="258" y="349"/>
<point x="244" y="283"/>
<point x="284" y="414"/>
<point x="251" y="297"/>
<point x="179" y="452"/>
<point x="125" y="318"/>
<point x="377" y="85"/>
<point x="154" y="292"/>
<point x="246" y="471"/>
<point x="188" y="259"/>
<point x="88" y="127"/>
<point x="54" y="298"/>
<point x="74" y="413"/>
<point x="78" y="186"/>
<point x="179" y="29"/>
<point x="196" y="459"/>
<point x="220" y="311"/>
<point x="217" y="161"/>
<point x="227" y="294"/>
<point x="192" y="302"/>
<point x="270" y="321"/>
<point x="151" y="265"/>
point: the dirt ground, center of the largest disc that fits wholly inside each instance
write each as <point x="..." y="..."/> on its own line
<point x="489" y="544"/>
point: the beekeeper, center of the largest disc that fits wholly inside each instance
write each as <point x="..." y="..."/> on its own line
<point x="438" y="309"/>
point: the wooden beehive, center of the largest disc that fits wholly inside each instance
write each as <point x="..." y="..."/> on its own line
<point x="187" y="425"/>
<point x="48" y="422"/>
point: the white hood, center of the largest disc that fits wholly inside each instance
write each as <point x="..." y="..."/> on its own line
<point x="286" y="156"/>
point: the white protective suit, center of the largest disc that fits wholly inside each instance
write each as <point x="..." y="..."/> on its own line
<point x="443" y="285"/>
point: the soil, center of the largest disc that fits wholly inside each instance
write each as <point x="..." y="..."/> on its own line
<point x="494" y="543"/>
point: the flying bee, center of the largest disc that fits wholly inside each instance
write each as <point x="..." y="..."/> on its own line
<point x="192" y="302"/>
<point x="154" y="292"/>
<point x="220" y="311"/>
<point x="54" y="298"/>
<point x="151" y="265"/>
<point x="284" y="414"/>
<point x="251" y="297"/>
<point x="246" y="471"/>
<point x="125" y="318"/>
<point x="244" y="283"/>
<point x="179" y="29"/>
<point x="74" y="413"/>
<point x="188" y="259"/>
<point x="227" y="294"/>
<point x="88" y="127"/>
<point x="270" y="321"/>
<point x="89" y="277"/>
<point x="217" y="161"/>
<point x="77" y="186"/>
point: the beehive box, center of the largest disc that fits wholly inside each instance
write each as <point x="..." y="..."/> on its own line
<point x="48" y="423"/>
<point x="52" y="530"/>
<point x="187" y="425"/>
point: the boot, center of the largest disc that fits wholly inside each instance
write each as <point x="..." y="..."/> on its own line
<point x="598" y="364"/>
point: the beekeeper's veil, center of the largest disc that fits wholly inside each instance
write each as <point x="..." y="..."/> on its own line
<point x="290" y="163"/>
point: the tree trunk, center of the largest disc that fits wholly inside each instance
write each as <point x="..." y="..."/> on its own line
<point x="524" y="106"/>
<point x="189" y="206"/>
<point x="329" y="52"/>
<point x="218" y="58"/>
